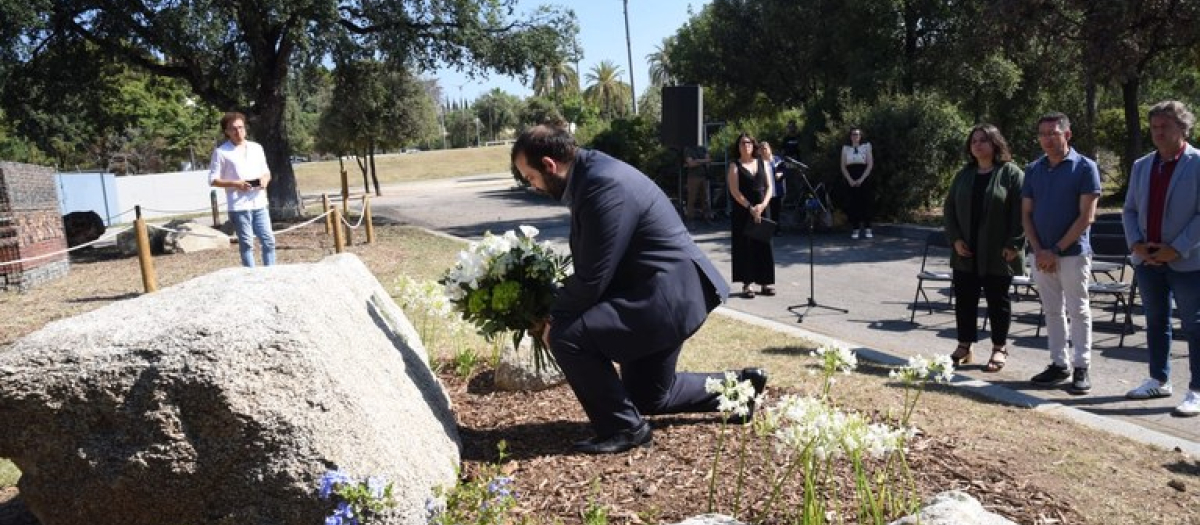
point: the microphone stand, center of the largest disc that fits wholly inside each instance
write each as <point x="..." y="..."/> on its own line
<point x="812" y="205"/>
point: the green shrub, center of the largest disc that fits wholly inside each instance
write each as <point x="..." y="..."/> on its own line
<point x="917" y="144"/>
<point x="636" y="141"/>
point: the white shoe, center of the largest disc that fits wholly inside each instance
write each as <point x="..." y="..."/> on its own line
<point x="854" y="235"/>
<point x="867" y="234"/>
<point x="1190" y="406"/>
<point x="1152" y="388"/>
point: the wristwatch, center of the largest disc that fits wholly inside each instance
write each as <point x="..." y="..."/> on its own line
<point x="1056" y="250"/>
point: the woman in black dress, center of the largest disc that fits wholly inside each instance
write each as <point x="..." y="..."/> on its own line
<point x="753" y="261"/>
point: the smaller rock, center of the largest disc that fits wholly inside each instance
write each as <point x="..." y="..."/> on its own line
<point x="188" y="236"/>
<point x="710" y="519"/>
<point x="1177" y="485"/>
<point x="82" y="227"/>
<point x="953" y="507"/>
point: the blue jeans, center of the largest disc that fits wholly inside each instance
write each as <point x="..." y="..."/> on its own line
<point x="254" y="223"/>
<point x="1158" y="284"/>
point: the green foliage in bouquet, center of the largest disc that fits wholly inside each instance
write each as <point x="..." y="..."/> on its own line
<point x="506" y="284"/>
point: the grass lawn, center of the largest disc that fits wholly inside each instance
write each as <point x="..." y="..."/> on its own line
<point x="324" y="176"/>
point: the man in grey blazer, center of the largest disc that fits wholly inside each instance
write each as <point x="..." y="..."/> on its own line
<point x="1162" y="228"/>
<point x="641" y="287"/>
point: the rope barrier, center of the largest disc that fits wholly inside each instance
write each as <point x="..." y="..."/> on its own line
<point x="305" y="223"/>
<point x="60" y="252"/>
<point x="184" y="212"/>
<point x="293" y="227"/>
<point x="359" y="223"/>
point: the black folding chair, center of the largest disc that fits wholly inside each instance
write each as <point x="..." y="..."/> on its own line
<point x="939" y="271"/>
<point x="1111" y="249"/>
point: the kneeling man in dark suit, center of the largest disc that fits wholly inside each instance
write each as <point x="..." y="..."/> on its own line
<point x="641" y="287"/>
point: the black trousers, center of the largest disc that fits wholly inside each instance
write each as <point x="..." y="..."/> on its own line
<point x="646" y="385"/>
<point x="966" y="306"/>
<point x="860" y="199"/>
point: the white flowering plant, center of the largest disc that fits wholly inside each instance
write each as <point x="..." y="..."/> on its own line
<point x="506" y="284"/>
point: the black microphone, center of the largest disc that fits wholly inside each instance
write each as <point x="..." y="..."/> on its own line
<point x="796" y="162"/>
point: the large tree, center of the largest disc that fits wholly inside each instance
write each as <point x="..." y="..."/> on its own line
<point x="238" y="54"/>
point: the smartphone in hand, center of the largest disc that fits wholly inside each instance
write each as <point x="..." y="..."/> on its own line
<point x="257" y="183"/>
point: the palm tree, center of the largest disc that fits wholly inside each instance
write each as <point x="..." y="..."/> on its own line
<point x="659" y="64"/>
<point x="555" y="80"/>
<point x="606" y="90"/>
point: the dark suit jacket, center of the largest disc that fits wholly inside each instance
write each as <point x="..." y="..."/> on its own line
<point x="640" y="284"/>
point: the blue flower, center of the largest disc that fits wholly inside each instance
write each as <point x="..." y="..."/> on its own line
<point x="331" y="480"/>
<point x="346" y="513"/>
<point x="498" y="486"/>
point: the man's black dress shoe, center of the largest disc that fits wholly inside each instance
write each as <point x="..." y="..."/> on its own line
<point x="617" y="443"/>
<point x="758" y="379"/>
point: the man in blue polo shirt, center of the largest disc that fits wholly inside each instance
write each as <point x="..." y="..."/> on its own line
<point x="1058" y="205"/>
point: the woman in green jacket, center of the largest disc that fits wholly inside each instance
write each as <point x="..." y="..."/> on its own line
<point x="982" y="217"/>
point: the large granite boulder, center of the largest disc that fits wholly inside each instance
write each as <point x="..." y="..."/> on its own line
<point x="224" y="400"/>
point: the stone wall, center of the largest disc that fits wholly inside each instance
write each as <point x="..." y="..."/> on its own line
<point x="30" y="226"/>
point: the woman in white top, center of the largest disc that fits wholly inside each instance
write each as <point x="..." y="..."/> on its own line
<point x="857" y="163"/>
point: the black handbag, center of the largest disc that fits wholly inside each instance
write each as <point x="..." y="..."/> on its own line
<point x="761" y="231"/>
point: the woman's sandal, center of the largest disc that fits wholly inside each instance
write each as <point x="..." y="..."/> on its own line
<point x="961" y="355"/>
<point x="747" y="292"/>
<point x="998" y="360"/>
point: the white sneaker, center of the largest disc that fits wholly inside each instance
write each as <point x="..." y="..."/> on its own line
<point x="1152" y="388"/>
<point x="854" y="235"/>
<point x="1190" y="406"/>
<point x="867" y="234"/>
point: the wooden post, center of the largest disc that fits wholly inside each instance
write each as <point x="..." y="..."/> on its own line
<point x="367" y="218"/>
<point x="339" y="244"/>
<point x="216" y="212"/>
<point x="325" y="209"/>
<point x="149" y="279"/>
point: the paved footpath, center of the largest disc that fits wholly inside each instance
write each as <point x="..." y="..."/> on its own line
<point x="876" y="280"/>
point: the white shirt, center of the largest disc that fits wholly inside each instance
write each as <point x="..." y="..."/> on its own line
<point x="247" y="162"/>
<point x="859" y="157"/>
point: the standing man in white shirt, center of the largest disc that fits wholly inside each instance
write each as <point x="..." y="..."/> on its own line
<point x="240" y="166"/>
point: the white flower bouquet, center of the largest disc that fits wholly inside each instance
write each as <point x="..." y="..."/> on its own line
<point x="507" y="283"/>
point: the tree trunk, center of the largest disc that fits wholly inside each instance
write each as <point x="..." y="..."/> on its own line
<point x="361" y="159"/>
<point x="1089" y="118"/>
<point x="911" y="21"/>
<point x="269" y="130"/>
<point x="374" y="172"/>
<point x="1133" y="128"/>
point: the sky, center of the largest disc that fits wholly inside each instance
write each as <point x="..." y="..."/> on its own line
<point x="602" y="34"/>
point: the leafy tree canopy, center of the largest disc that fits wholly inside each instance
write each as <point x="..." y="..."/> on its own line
<point x="239" y="54"/>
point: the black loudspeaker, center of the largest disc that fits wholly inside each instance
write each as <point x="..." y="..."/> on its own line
<point x="682" y="116"/>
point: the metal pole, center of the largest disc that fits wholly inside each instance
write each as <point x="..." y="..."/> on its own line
<point x="145" y="260"/>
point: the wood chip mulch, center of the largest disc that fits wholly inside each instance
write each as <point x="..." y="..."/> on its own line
<point x="668" y="481"/>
